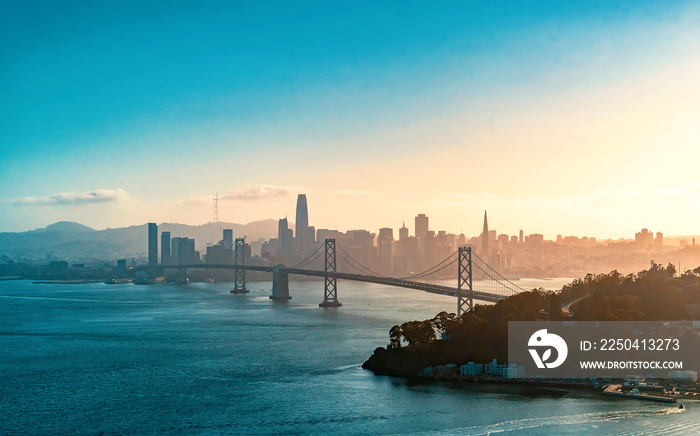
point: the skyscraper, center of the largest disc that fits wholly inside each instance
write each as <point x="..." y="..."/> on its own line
<point x="165" y="248"/>
<point x="302" y="224"/>
<point x="152" y="246"/>
<point x="403" y="232"/>
<point x="485" y="237"/>
<point x="282" y="225"/>
<point x="659" y="241"/>
<point x="228" y="239"/>
<point x="302" y="214"/>
<point x="385" y="241"/>
<point x="285" y="236"/>
<point x="421" y="227"/>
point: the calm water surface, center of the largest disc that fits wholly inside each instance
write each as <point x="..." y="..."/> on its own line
<point x="161" y="359"/>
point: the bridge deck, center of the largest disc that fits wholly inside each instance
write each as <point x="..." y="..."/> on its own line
<point x="427" y="287"/>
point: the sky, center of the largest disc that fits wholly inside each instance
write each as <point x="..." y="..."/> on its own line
<point x="574" y="118"/>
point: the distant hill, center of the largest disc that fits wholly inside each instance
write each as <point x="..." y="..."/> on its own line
<point x="73" y="241"/>
<point x="67" y="227"/>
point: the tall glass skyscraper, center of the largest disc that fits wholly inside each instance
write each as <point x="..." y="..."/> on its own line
<point x="302" y="215"/>
<point x="302" y="225"/>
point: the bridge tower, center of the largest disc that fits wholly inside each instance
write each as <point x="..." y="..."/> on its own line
<point x="465" y="302"/>
<point x="330" y="291"/>
<point x="239" y="260"/>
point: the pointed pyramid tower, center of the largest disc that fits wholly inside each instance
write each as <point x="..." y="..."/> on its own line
<point x="485" y="237"/>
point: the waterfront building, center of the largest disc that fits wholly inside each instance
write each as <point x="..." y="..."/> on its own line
<point x="686" y="375"/>
<point x="471" y="369"/>
<point x="514" y="371"/>
<point x="504" y="370"/>
<point x="121" y="268"/>
<point x="492" y="368"/>
<point x="58" y="268"/>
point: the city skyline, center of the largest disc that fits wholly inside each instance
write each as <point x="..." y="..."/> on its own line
<point x="569" y="119"/>
<point x="515" y="255"/>
<point x="631" y="234"/>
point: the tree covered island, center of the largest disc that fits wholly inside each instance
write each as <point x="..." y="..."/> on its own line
<point x="656" y="294"/>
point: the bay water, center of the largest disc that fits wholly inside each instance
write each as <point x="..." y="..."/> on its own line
<point x="163" y="359"/>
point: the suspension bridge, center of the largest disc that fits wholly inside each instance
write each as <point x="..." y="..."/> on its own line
<point x="476" y="280"/>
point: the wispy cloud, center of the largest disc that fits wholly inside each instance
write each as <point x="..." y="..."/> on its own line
<point x="74" y="198"/>
<point x="259" y="192"/>
<point x="193" y="200"/>
<point x="677" y="189"/>
<point x="596" y="197"/>
<point x="468" y="196"/>
<point x="352" y="193"/>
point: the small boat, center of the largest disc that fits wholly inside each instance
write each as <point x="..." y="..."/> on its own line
<point x="682" y="406"/>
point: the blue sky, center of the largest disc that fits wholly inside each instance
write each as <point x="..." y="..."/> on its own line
<point x="155" y="106"/>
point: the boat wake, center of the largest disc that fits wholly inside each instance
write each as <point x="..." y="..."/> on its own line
<point x="520" y="425"/>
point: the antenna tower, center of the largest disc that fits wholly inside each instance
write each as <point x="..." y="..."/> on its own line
<point x="216" y="208"/>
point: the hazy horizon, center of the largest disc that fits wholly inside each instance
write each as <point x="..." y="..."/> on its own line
<point x="395" y="228"/>
<point x="573" y="119"/>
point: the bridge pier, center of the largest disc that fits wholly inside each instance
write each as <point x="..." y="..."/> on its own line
<point x="280" y="284"/>
<point x="239" y="259"/>
<point x="330" y="290"/>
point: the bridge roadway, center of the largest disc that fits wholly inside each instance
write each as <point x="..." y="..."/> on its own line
<point x="401" y="283"/>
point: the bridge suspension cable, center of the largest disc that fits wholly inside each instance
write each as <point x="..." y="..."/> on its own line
<point x="357" y="265"/>
<point x="487" y="282"/>
<point x="365" y="270"/>
<point x="497" y="283"/>
<point x="433" y="269"/>
<point x="310" y="259"/>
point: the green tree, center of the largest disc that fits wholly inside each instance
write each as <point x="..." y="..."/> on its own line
<point x="443" y="321"/>
<point x="395" y="337"/>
